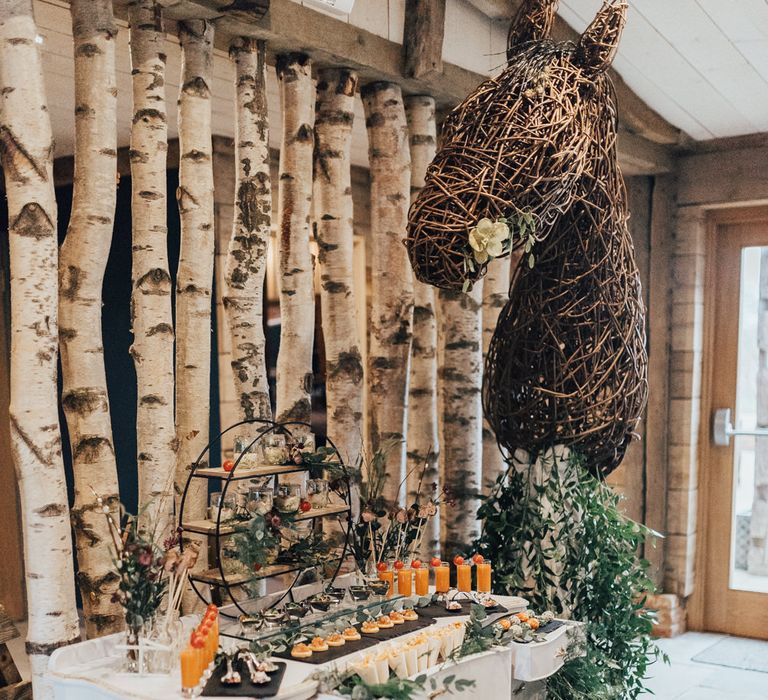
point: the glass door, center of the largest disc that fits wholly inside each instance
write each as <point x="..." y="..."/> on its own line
<point x="735" y="462"/>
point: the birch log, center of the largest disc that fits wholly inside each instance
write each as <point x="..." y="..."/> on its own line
<point x="495" y="295"/>
<point x="26" y="149"/>
<point x="461" y="377"/>
<point x="82" y="262"/>
<point x="152" y="348"/>
<point x="335" y="242"/>
<point x="297" y="298"/>
<point x="247" y="256"/>
<point x="392" y="279"/>
<point x="194" y="278"/>
<point x="422" y="438"/>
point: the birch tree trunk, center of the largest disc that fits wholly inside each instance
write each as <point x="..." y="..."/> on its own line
<point x="422" y="437"/>
<point x="247" y="256"/>
<point x="335" y="241"/>
<point x="152" y="348"/>
<point x="82" y="262"/>
<point x="392" y="279"/>
<point x="26" y="148"/>
<point x="461" y="378"/>
<point x="495" y="295"/>
<point x="297" y="298"/>
<point x="194" y="278"/>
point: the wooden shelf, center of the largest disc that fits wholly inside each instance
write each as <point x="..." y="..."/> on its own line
<point x="333" y="509"/>
<point x="213" y="576"/>
<point x="208" y="527"/>
<point x="250" y="472"/>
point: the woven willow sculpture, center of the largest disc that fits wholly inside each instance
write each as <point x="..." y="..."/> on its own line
<point x="518" y="146"/>
<point x="567" y="363"/>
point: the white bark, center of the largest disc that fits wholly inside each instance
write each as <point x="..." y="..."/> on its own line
<point x="392" y="280"/>
<point x="335" y="241"/>
<point x="247" y="255"/>
<point x="194" y="278"/>
<point x="26" y="148"/>
<point x="495" y="296"/>
<point x="757" y="557"/>
<point x="422" y="437"/>
<point x="297" y="297"/>
<point x="82" y="262"/>
<point x="461" y="375"/>
<point x="152" y="348"/>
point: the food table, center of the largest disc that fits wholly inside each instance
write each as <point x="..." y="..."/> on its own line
<point x="88" y="671"/>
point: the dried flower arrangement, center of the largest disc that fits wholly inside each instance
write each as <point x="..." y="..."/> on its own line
<point x="385" y="531"/>
<point x="151" y="574"/>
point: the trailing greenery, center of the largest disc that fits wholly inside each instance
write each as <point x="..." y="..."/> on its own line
<point x="560" y="541"/>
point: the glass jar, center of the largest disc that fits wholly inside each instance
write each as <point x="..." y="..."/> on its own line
<point x="288" y="498"/>
<point x="226" y="506"/>
<point x="275" y="449"/>
<point x="260" y="500"/>
<point x="318" y="492"/>
<point x="250" y="458"/>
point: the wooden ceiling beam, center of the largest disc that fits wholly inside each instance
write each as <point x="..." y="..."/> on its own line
<point x="290" y="27"/>
<point x="423" y="38"/>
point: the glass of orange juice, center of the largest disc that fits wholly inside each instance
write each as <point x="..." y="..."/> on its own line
<point x="189" y="672"/>
<point x="421" y="577"/>
<point x="464" y="577"/>
<point x="405" y="581"/>
<point x="442" y="577"/>
<point x="484" y="570"/>
<point x="388" y="575"/>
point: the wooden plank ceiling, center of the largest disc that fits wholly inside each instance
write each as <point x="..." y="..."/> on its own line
<point x="702" y="64"/>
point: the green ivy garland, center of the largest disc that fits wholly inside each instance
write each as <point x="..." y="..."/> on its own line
<point x="562" y="542"/>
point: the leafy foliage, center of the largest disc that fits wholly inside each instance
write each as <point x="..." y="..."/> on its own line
<point x="561" y="542"/>
<point x="349" y="684"/>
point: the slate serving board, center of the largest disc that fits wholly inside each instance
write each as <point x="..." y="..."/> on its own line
<point x="214" y="686"/>
<point x="438" y="610"/>
<point x="366" y="641"/>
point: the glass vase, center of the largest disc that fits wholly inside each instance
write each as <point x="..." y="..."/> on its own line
<point x="164" y="645"/>
<point x="135" y="634"/>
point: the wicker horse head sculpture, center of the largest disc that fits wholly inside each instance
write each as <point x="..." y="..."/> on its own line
<point x="515" y="149"/>
<point x="567" y="364"/>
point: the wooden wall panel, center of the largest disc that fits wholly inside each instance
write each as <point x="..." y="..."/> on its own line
<point x="11" y="555"/>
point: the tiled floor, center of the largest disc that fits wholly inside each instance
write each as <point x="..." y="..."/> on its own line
<point x="685" y="679"/>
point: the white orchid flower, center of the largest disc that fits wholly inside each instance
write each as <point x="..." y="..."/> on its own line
<point x="487" y="239"/>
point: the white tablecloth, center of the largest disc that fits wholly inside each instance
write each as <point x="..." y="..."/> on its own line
<point x="87" y="671"/>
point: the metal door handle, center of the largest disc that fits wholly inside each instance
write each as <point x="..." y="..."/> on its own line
<point x="722" y="428"/>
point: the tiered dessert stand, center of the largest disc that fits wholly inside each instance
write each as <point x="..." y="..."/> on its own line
<point x="216" y="577"/>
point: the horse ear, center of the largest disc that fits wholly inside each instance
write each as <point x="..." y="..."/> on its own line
<point x="533" y="22"/>
<point x="600" y="41"/>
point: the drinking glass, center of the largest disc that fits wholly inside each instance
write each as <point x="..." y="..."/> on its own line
<point x="442" y="577"/>
<point x="484" y="577"/>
